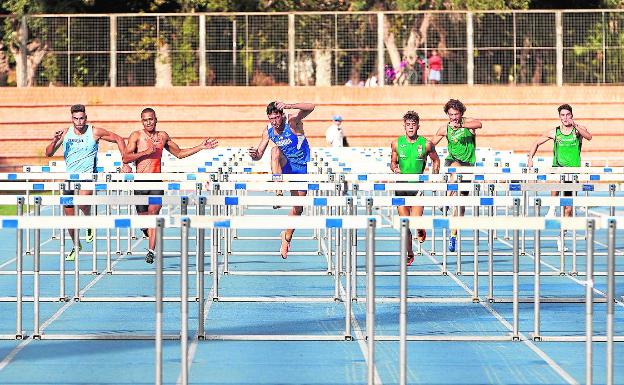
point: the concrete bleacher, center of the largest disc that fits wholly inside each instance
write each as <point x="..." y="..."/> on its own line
<point x="512" y="116"/>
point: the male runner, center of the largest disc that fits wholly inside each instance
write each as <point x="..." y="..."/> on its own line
<point x="145" y="148"/>
<point x="80" y="143"/>
<point x="409" y="156"/>
<point x="461" y="136"/>
<point x="568" y="140"/>
<point x="291" y="152"/>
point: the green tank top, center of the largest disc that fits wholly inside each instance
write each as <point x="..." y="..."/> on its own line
<point x="412" y="156"/>
<point x="567" y="149"/>
<point x="461" y="144"/>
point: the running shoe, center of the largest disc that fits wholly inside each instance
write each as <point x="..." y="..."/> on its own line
<point x="285" y="246"/>
<point x="410" y="260"/>
<point x="452" y="243"/>
<point x="149" y="257"/>
<point x="421" y="235"/>
<point x="145" y="233"/>
<point x="561" y="245"/>
<point x="72" y="255"/>
<point x="90" y="235"/>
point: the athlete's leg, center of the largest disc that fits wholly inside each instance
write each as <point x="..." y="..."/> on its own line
<point x="421" y="234"/>
<point x="278" y="160"/>
<point x="70" y="211"/>
<point x="288" y="233"/>
<point x="551" y="209"/>
<point x="406" y="211"/>
<point x="86" y="209"/>
<point x="151" y="232"/>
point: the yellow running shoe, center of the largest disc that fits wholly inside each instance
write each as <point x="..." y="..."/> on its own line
<point x="90" y="235"/>
<point x="72" y="255"/>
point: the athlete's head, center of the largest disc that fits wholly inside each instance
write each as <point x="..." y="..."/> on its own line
<point x="275" y="115"/>
<point x="148" y="118"/>
<point x="455" y="110"/>
<point x="411" y="123"/>
<point x="79" y="116"/>
<point x="565" y="114"/>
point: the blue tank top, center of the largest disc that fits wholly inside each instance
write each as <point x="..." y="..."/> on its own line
<point x="294" y="147"/>
<point x="80" y="151"/>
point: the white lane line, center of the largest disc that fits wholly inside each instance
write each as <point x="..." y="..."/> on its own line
<point x="558" y="369"/>
<point x="9" y="357"/>
<point x="12" y="260"/>
<point x="573" y="279"/>
<point x="193" y="348"/>
<point x="359" y="334"/>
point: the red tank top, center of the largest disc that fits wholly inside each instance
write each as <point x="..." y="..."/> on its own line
<point x="149" y="163"/>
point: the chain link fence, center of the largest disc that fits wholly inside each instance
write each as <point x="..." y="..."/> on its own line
<point x="306" y="49"/>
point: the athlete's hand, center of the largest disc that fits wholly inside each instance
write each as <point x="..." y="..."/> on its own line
<point x="150" y="148"/>
<point x="209" y="143"/>
<point x="254" y="153"/>
<point x="396" y="170"/>
<point x="281" y="105"/>
<point x="126" y="168"/>
<point x="530" y="162"/>
<point x="57" y="136"/>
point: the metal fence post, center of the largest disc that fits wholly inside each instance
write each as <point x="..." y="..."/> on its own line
<point x="370" y="298"/>
<point x="380" y="49"/>
<point x="589" y="303"/>
<point x="112" y="75"/>
<point x="610" y="298"/>
<point x="403" y="303"/>
<point x="186" y="224"/>
<point x="160" y="224"/>
<point x="202" y="50"/>
<point x="36" y="270"/>
<point x="469" y="49"/>
<point x="559" y="47"/>
<point x="516" y="273"/>
<point x="291" y="49"/>
<point x="19" y="259"/>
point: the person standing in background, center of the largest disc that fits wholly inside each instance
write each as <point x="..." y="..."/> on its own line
<point x="435" y="67"/>
<point x="334" y="135"/>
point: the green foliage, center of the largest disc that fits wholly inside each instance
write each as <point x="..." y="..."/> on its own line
<point x="79" y="71"/>
<point x="184" y="57"/>
<point x="51" y="69"/>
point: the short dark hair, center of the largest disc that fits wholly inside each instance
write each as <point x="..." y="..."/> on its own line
<point x="411" y="115"/>
<point x="564" y="107"/>
<point x="272" y="107"/>
<point x="148" y="109"/>
<point x="78" y="108"/>
<point x="456" y="105"/>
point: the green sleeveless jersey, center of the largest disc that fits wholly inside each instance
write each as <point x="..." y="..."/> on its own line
<point x="567" y="149"/>
<point x="461" y="144"/>
<point x="412" y="156"/>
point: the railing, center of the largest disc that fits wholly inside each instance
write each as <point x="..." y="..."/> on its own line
<point x="303" y="49"/>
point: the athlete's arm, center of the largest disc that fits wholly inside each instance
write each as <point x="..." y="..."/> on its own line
<point x="439" y="135"/>
<point x="394" y="161"/>
<point x="56" y="142"/>
<point x="111" y="137"/>
<point x="582" y="130"/>
<point x="256" y="153"/>
<point x="304" y="109"/>
<point x="435" y="159"/>
<point x="471" y="123"/>
<point x="180" y="153"/>
<point x="131" y="154"/>
<point x="541" y="140"/>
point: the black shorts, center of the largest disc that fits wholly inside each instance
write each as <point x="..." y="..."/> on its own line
<point x="568" y="193"/>
<point x="449" y="161"/>
<point x="143" y="208"/>
<point x="406" y="193"/>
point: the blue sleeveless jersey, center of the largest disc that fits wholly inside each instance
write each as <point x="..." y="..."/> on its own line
<point x="294" y="147"/>
<point x="80" y="151"/>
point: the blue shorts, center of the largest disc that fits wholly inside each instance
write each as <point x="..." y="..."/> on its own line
<point x="294" y="168"/>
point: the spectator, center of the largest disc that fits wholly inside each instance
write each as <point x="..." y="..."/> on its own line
<point x="389" y="74"/>
<point x="435" y="67"/>
<point x="335" y="135"/>
<point x="372" y="80"/>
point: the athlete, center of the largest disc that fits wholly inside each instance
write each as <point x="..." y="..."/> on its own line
<point x="291" y="152"/>
<point x="567" y="142"/>
<point x="80" y="143"/>
<point x="409" y="156"/>
<point x="461" y="137"/>
<point x="145" y="148"/>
